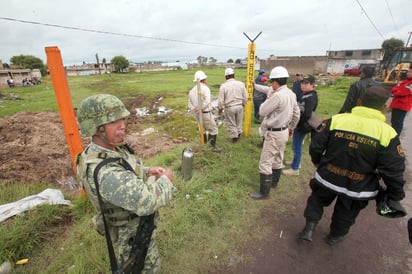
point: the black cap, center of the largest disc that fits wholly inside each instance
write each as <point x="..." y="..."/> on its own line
<point x="368" y="71"/>
<point x="309" y="78"/>
<point x="375" y="97"/>
<point x="299" y="74"/>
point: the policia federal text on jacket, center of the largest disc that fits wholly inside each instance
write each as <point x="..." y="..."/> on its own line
<point x="353" y="153"/>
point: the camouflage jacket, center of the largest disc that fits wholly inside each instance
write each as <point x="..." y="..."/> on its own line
<point x="125" y="194"/>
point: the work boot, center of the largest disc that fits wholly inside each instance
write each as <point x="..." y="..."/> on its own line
<point x="307" y="231"/>
<point x="332" y="240"/>
<point x="290" y="172"/>
<point x="275" y="177"/>
<point x="265" y="182"/>
<point x="212" y="139"/>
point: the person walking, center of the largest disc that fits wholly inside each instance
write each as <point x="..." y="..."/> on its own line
<point x="357" y="89"/>
<point x="232" y="100"/>
<point x="281" y="112"/>
<point x="401" y="102"/>
<point x="307" y="104"/>
<point x="205" y="109"/>
<point x="123" y="190"/>
<point x="258" y="97"/>
<point x="296" y="88"/>
<point x="352" y="154"/>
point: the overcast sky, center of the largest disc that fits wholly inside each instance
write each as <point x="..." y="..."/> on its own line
<point x="167" y="30"/>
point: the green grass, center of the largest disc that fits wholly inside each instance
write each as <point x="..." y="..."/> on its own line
<point x="211" y="216"/>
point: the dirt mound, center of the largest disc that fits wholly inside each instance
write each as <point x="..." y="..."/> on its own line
<point x="33" y="146"/>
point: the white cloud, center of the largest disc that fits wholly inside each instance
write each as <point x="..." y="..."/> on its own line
<point x="185" y="29"/>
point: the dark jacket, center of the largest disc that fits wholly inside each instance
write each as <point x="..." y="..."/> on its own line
<point x="355" y="92"/>
<point x="297" y="90"/>
<point x="307" y="104"/>
<point x="257" y="95"/>
<point x="354" y="151"/>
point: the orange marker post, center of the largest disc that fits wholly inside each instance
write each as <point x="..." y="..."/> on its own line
<point x="61" y="90"/>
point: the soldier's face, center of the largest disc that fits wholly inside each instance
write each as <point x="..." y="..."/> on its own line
<point x="116" y="131"/>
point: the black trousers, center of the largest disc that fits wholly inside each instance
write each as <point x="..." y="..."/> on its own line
<point x="344" y="214"/>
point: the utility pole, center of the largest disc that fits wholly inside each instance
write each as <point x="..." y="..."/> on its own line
<point x="409" y="38"/>
<point x="250" y="78"/>
<point x="98" y="63"/>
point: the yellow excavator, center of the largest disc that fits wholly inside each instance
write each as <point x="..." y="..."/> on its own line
<point x="395" y="69"/>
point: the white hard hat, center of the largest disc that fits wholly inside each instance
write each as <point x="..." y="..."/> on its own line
<point x="278" y="72"/>
<point x="199" y="75"/>
<point x="229" y="71"/>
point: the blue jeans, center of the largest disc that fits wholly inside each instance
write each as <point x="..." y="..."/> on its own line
<point x="398" y="116"/>
<point x="297" y="141"/>
<point x="256" y="105"/>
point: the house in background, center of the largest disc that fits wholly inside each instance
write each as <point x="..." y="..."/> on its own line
<point x="334" y="62"/>
<point x="88" y="69"/>
<point x="17" y="75"/>
<point x="340" y="60"/>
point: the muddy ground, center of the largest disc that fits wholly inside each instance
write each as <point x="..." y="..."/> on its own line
<point x="33" y="146"/>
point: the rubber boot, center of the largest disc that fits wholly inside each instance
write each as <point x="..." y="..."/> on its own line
<point x="261" y="144"/>
<point x="275" y="177"/>
<point x="212" y="139"/>
<point x="263" y="194"/>
<point x="307" y="231"/>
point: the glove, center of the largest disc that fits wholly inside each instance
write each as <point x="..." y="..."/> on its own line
<point x="390" y="208"/>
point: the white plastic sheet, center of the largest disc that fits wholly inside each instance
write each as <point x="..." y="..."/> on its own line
<point x="50" y="196"/>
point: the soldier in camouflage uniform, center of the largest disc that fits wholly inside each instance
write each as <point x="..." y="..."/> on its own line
<point x="126" y="194"/>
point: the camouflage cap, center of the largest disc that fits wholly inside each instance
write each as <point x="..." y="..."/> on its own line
<point x="98" y="110"/>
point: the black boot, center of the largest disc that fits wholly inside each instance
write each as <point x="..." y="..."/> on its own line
<point x="332" y="240"/>
<point x="263" y="194"/>
<point x="307" y="231"/>
<point x="275" y="177"/>
<point x="212" y="139"/>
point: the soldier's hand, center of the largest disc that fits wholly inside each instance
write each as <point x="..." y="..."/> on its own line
<point x="169" y="174"/>
<point x="156" y="171"/>
<point x="159" y="171"/>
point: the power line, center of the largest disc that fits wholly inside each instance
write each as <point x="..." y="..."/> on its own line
<point x="364" y="11"/>
<point x="390" y="12"/>
<point x="118" y="34"/>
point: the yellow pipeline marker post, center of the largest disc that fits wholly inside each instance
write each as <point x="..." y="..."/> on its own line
<point x="249" y="84"/>
<point x="199" y="107"/>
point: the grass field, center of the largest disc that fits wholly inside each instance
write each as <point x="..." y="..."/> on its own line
<point x="211" y="216"/>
